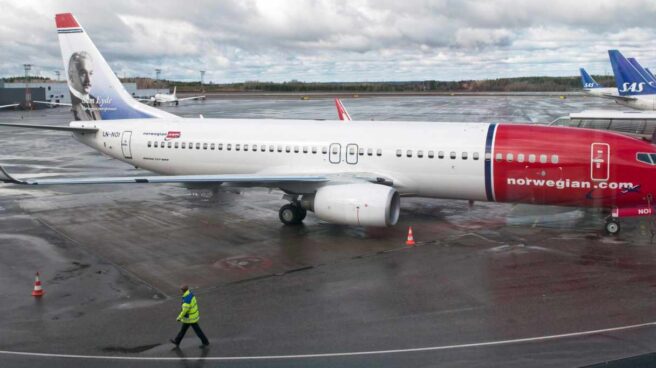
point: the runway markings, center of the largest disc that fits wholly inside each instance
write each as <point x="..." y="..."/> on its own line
<point x="346" y="354"/>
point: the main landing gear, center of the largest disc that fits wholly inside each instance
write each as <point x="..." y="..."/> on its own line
<point x="292" y="214"/>
<point x="612" y="226"/>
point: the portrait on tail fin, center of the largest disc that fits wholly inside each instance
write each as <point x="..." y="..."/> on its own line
<point x="80" y="72"/>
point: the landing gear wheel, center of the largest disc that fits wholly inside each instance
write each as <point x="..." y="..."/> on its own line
<point x="291" y="215"/>
<point x="612" y="227"/>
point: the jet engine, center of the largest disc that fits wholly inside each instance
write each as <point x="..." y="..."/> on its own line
<point x="362" y="204"/>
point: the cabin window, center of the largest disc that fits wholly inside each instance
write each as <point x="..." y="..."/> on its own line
<point x="335" y="150"/>
<point x="150" y="143"/>
<point x="370" y="152"/>
<point x="554" y="159"/>
<point x="520" y="157"/>
<point x="288" y="149"/>
<point x="272" y="148"/>
<point x="183" y="145"/>
<point x="263" y="148"/>
<point x="499" y="157"/>
<point x="510" y="157"/>
<point x="440" y="154"/>
<point x="229" y="146"/>
<point x="305" y="149"/>
<point x="279" y="148"/>
<point x="475" y="155"/>
<point x="351" y="151"/>
<point x="648" y="158"/>
<point x="464" y="155"/>
<point x="531" y="158"/>
<point x="420" y="154"/>
<point x="175" y="145"/>
<point x="324" y="150"/>
<point x="361" y="151"/>
<point x="155" y="144"/>
<point x="431" y="154"/>
<point x="296" y="149"/>
<point x="204" y="146"/>
<point x="543" y="159"/>
<point x="245" y="147"/>
<point x="379" y="152"/>
<point x="314" y="150"/>
<point x="220" y="146"/>
<point x="488" y="156"/>
<point x="408" y="153"/>
<point x="399" y="153"/>
<point x="197" y="145"/>
<point x="452" y="154"/>
<point x="163" y="145"/>
<point x="212" y="146"/>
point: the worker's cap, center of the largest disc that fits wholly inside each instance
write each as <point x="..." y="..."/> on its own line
<point x="184" y="287"/>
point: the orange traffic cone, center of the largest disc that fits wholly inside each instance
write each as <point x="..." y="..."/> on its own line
<point x="411" y="239"/>
<point x="38" y="290"/>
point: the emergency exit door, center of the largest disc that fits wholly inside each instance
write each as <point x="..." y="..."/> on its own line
<point x="599" y="161"/>
<point x="125" y="144"/>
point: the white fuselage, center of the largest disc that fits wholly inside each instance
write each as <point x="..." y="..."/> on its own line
<point x="234" y="146"/>
<point x="602" y="92"/>
<point x="165" y="98"/>
<point x="642" y="102"/>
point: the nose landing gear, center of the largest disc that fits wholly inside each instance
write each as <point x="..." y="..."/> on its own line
<point x="612" y="226"/>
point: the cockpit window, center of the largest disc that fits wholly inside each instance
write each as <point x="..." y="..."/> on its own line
<point x="648" y="158"/>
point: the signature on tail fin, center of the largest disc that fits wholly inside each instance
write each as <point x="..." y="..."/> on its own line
<point x="96" y="92"/>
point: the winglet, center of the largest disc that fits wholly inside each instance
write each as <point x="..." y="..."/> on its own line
<point x="341" y="110"/>
<point x="6" y="178"/>
<point x="66" y="20"/>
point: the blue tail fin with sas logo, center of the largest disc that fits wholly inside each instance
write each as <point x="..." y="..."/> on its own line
<point x="96" y="92"/>
<point x="587" y="81"/>
<point x="629" y="80"/>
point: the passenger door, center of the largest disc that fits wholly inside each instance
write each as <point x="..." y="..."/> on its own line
<point x="125" y="144"/>
<point x="599" y="161"/>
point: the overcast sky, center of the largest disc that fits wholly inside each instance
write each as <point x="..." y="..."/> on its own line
<point x="354" y="40"/>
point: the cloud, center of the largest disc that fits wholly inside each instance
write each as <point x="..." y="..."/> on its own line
<point x="321" y="40"/>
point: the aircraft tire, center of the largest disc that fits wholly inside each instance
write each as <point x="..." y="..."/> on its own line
<point x="291" y="215"/>
<point x="612" y="227"/>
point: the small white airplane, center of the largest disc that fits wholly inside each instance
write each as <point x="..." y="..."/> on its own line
<point x="170" y="99"/>
<point x="355" y="173"/>
<point x="591" y="87"/>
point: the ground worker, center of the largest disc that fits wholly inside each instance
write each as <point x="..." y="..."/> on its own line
<point x="189" y="316"/>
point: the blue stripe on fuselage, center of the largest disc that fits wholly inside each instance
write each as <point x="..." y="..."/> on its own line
<point x="488" y="161"/>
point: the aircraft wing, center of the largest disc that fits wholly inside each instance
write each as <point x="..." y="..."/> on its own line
<point x="191" y="98"/>
<point x="245" y="180"/>
<point x="8" y="106"/>
<point x="53" y="103"/>
<point x="53" y="127"/>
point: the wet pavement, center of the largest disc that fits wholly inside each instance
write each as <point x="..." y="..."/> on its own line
<point x="487" y="285"/>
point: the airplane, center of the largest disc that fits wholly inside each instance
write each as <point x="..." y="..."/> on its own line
<point x="350" y="174"/>
<point x="635" y="88"/>
<point x="9" y="106"/>
<point x="643" y="71"/>
<point x="591" y="87"/>
<point x="165" y="98"/>
<point x="341" y="111"/>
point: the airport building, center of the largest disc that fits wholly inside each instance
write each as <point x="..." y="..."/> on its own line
<point x="57" y="92"/>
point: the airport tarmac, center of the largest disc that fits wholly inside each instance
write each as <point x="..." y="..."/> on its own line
<point x="487" y="285"/>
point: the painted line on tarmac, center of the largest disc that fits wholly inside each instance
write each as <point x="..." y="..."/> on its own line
<point x="337" y="355"/>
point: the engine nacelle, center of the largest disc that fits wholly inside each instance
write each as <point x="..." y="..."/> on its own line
<point x="355" y="204"/>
